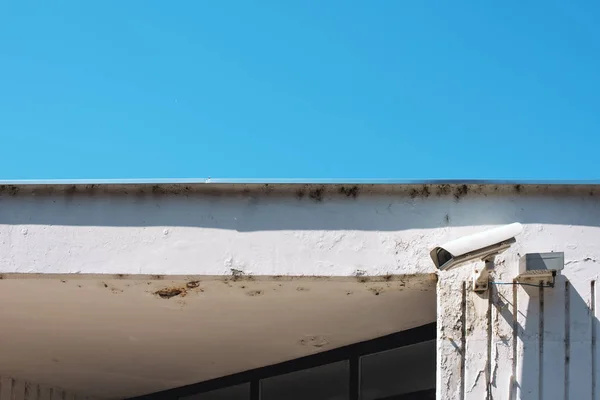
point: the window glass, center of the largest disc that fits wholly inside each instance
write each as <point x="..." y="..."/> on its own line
<point x="238" y="392"/>
<point x="402" y="373"/>
<point x="327" y="382"/>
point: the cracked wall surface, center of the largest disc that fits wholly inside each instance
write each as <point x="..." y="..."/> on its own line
<point x="519" y="342"/>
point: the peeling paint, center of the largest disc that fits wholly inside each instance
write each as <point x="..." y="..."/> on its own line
<point x="479" y="374"/>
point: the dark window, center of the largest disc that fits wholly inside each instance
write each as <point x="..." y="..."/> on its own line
<point x="327" y="382"/>
<point x="400" y="366"/>
<point x="237" y="392"/>
<point x="398" y="372"/>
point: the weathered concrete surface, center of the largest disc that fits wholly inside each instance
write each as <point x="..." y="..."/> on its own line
<point x="288" y="230"/>
<point x="520" y="342"/>
<point x="120" y="337"/>
<point x="495" y="346"/>
<point x="451" y="329"/>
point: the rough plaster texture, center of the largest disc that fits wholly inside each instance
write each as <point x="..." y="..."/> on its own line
<point x="514" y="342"/>
<point x="329" y="231"/>
<point x="519" y="342"/>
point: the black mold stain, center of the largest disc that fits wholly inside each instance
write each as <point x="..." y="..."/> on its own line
<point x="443" y="190"/>
<point x="518" y="188"/>
<point x="422" y="192"/>
<point x="316" y="194"/>
<point x="447" y="219"/>
<point x="90" y="190"/>
<point x="300" y="194"/>
<point x="267" y="189"/>
<point x="361" y="276"/>
<point x="460" y="192"/>
<point x="350" y="191"/>
<point x="70" y="191"/>
<point x="236" y="274"/>
<point x="158" y="189"/>
<point x="376" y="290"/>
<point x="10" y="189"/>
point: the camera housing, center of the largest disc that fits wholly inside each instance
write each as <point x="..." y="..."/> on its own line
<point x="483" y="246"/>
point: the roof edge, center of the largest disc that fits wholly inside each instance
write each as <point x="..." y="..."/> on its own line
<point x="299" y="181"/>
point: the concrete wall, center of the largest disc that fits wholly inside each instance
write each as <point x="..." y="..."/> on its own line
<point x="516" y="342"/>
<point x="519" y="342"/>
<point x="15" y="389"/>
<point x="284" y="230"/>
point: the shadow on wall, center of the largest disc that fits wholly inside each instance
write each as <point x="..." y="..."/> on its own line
<point x="554" y="341"/>
<point x="311" y="208"/>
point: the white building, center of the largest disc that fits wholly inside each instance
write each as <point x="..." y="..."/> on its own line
<point x="282" y="291"/>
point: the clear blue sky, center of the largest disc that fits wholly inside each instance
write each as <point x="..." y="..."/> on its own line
<point x="299" y="89"/>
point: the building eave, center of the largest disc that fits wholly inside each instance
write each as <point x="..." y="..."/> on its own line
<point x="295" y="181"/>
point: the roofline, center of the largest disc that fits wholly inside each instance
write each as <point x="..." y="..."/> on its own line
<point x="300" y="181"/>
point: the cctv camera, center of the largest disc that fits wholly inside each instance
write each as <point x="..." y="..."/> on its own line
<point x="482" y="246"/>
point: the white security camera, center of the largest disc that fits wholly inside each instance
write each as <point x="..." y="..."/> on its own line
<point x="483" y="246"/>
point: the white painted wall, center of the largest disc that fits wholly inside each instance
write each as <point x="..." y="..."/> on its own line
<point x="273" y="231"/>
<point x="522" y="344"/>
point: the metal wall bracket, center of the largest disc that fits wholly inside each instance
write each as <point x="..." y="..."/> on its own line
<point x="540" y="268"/>
<point x="545" y="278"/>
<point x="481" y="276"/>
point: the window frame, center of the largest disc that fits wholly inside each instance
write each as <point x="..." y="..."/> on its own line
<point x="351" y="353"/>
